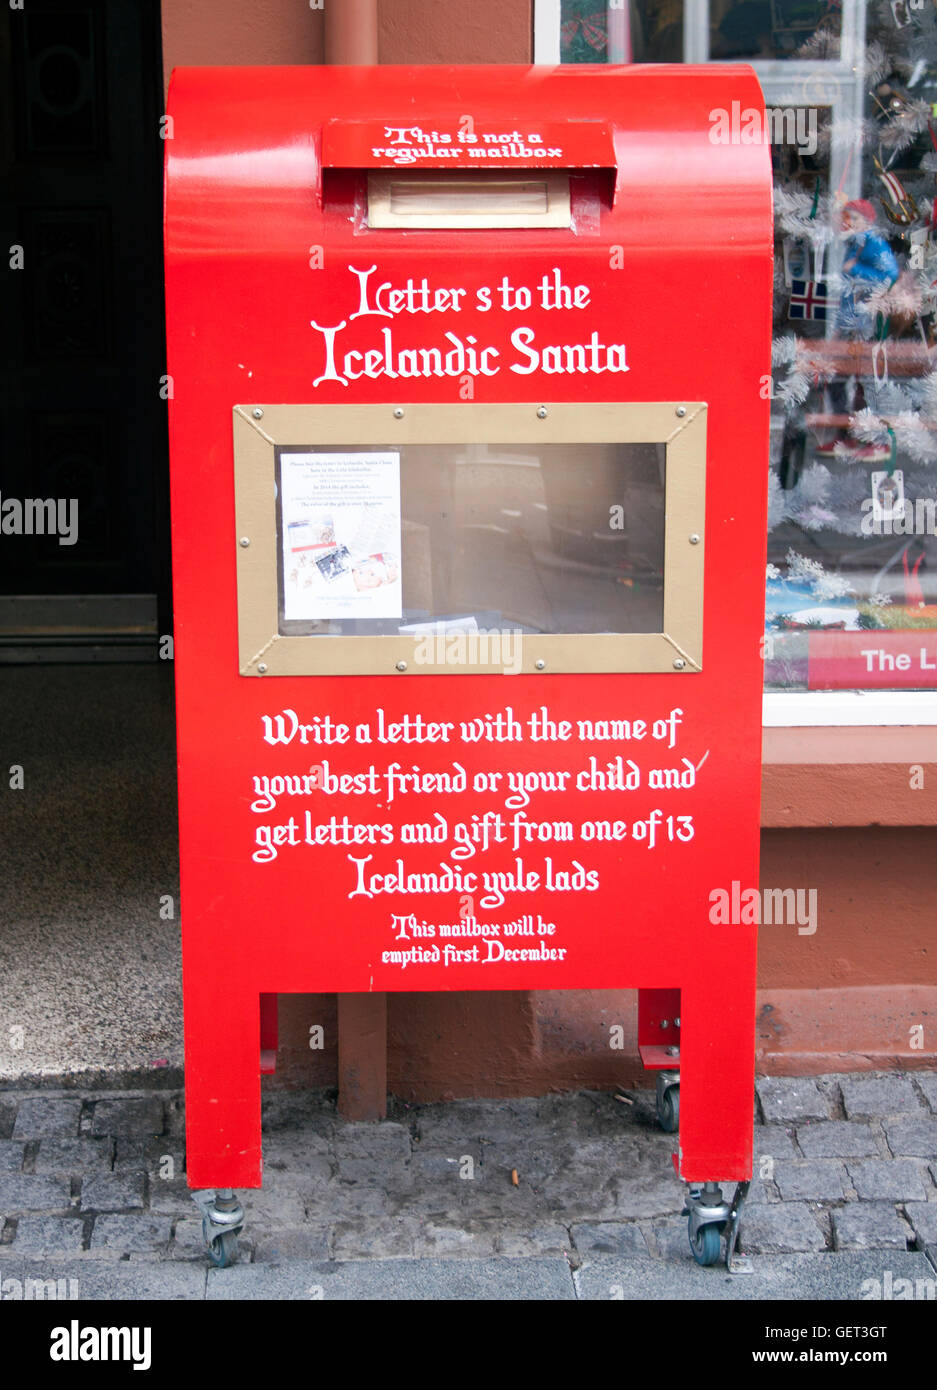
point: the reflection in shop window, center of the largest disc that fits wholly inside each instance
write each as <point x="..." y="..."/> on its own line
<point x="852" y="549"/>
<point x="593" y="32"/>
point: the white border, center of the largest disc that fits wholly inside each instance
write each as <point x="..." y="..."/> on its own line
<point x="783" y="709"/>
<point x="547" y="32"/>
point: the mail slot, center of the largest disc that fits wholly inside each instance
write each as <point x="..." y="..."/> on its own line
<point x="469" y="463"/>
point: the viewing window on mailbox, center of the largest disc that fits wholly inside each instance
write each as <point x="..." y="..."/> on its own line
<point x="577" y="528"/>
<point x="551" y="538"/>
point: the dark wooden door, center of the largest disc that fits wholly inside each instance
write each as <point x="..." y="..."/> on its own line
<point x="81" y="411"/>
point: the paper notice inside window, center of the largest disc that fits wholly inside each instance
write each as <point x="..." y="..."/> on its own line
<point x="340" y="530"/>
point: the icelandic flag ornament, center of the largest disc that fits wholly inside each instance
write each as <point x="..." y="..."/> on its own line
<point x="809" y="300"/>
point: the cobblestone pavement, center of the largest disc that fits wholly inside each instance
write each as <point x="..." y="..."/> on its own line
<point x="563" y="1196"/>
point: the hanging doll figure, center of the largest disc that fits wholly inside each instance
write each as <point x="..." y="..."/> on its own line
<point x="868" y="264"/>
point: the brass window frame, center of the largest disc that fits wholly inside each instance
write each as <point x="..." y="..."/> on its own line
<point x="260" y="429"/>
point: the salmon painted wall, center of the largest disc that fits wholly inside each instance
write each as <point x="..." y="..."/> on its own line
<point x="232" y="32"/>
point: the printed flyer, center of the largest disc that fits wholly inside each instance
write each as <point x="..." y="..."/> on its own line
<point x="340" y="534"/>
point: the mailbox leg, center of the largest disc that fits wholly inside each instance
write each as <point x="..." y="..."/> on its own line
<point x="659" y="1046"/>
<point x="222" y="1083"/>
<point x="717" y="1077"/>
<point x="269" y="1033"/>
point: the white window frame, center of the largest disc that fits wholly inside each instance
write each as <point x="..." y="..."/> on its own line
<point x="840" y="85"/>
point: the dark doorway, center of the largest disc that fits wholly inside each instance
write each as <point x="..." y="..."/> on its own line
<point x="82" y="408"/>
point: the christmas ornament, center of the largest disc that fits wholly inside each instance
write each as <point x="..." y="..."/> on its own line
<point x="887" y="496"/>
<point x="809" y="300"/>
<point x="902" y="209"/>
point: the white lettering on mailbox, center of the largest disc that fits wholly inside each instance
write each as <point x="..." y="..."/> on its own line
<point x="460" y="354"/>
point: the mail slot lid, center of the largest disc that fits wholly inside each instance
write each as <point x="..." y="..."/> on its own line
<point x="460" y="143"/>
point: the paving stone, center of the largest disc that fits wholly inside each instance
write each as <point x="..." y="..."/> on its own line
<point x="927" y="1080"/>
<point x="377" y="1238"/>
<point x="11" y="1156"/>
<point x="297" y="1110"/>
<point x="150" y="1155"/>
<point x="43" y="1116"/>
<point x="869" y="1226"/>
<point x="142" y="1231"/>
<point x="175" y="1115"/>
<point x="656" y="1194"/>
<point x="297" y="1243"/>
<point x="609" y="1238"/>
<point x="671" y="1239"/>
<point x="337" y="1202"/>
<point x="915" y="1135"/>
<point x="548" y="1239"/>
<point x="171" y="1197"/>
<point x="385" y="1141"/>
<point x="113" y="1192"/>
<point x="516" y="1208"/>
<point x="271" y="1205"/>
<point x="812" y="1278"/>
<point x="48" y="1235"/>
<point x="574" y="1113"/>
<point x="443" y="1168"/>
<point x="457" y="1123"/>
<point x="536" y="1164"/>
<point x="791" y="1098"/>
<point x="389" y="1174"/>
<point x="26" y="1192"/>
<point x="923" y="1218"/>
<point x="129" y="1115"/>
<point x="188" y="1240"/>
<point x="105" y="1281"/>
<point x="817" y="1181"/>
<point x="315" y="1172"/>
<point x="74" y="1156"/>
<point x="366" y="1280"/>
<point x="290" y="1150"/>
<point x="887" y="1179"/>
<point x="873" y="1097"/>
<point x="438" y="1238"/>
<point x="758" y="1193"/>
<point x="7" y="1117"/>
<point x="786" y="1227"/>
<point x="837" y="1139"/>
<point x="774" y="1141"/>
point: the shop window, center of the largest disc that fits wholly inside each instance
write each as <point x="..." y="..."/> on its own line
<point x="851" y="87"/>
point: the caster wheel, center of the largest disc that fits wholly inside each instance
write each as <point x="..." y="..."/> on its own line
<point x="223" y="1250"/>
<point x="706" y="1244"/>
<point x="668" y="1110"/>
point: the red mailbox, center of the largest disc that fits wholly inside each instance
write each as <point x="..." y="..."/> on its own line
<point x="469" y="461"/>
